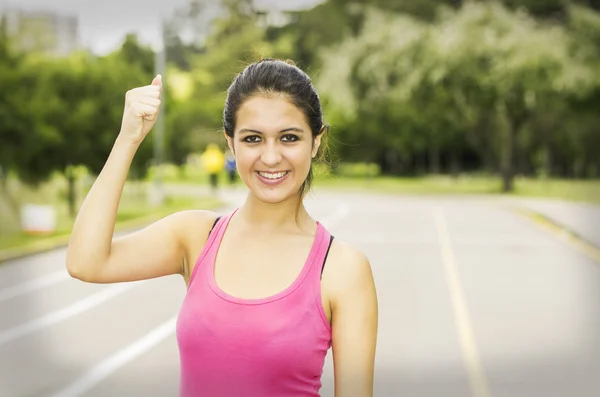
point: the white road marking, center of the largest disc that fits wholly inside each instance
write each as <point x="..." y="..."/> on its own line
<point x="116" y="361"/>
<point x="475" y="372"/>
<point x="65" y="313"/>
<point x="33" y="285"/>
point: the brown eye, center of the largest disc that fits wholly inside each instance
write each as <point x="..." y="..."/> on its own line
<point x="251" y="139"/>
<point x="289" y="138"/>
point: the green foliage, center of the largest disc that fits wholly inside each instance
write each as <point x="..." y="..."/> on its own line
<point x="480" y="79"/>
<point x="358" y="170"/>
<point x="436" y="85"/>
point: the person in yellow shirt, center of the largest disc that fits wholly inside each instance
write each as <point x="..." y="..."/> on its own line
<point x="213" y="161"/>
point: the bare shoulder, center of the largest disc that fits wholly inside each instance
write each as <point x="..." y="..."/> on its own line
<point x="188" y="220"/>
<point x="347" y="270"/>
<point x="192" y="228"/>
<point x="354" y="318"/>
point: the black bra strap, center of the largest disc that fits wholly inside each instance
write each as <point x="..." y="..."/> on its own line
<point x="327" y="253"/>
<point x="214" y="224"/>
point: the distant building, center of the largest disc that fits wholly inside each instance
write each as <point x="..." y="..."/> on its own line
<point x="43" y="31"/>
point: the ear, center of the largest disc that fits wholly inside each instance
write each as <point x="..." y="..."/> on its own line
<point x="317" y="142"/>
<point x="229" y="142"/>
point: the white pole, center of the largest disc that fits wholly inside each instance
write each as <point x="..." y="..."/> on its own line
<point x="159" y="127"/>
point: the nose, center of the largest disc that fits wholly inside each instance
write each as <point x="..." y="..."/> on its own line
<point x="271" y="154"/>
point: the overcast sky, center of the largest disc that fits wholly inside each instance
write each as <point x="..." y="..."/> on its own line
<point x="104" y="23"/>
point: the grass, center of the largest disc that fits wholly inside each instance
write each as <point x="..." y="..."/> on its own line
<point x="579" y="190"/>
<point x="572" y="190"/>
<point x="417" y="185"/>
<point x="466" y="184"/>
<point x="354" y="178"/>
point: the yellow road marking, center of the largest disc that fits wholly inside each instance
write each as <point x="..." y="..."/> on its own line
<point x="561" y="232"/>
<point x="475" y="373"/>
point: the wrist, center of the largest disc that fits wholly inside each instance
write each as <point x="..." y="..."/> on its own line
<point x="126" y="142"/>
<point x="125" y="147"/>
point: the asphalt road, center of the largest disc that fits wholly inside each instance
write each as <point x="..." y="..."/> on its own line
<point x="474" y="300"/>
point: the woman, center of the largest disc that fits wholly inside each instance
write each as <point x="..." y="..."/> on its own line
<point x="268" y="288"/>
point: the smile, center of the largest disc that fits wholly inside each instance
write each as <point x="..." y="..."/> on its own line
<point x="274" y="176"/>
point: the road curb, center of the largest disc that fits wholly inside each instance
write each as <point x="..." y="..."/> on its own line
<point x="561" y="231"/>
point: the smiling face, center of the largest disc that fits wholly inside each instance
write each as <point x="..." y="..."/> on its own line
<point x="273" y="147"/>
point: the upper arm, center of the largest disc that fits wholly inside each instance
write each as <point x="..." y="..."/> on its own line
<point x="154" y="251"/>
<point x="354" y="323"/>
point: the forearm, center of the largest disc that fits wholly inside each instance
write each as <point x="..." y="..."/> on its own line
<point x="355" y="382"/>
<point x="92" y="234"/>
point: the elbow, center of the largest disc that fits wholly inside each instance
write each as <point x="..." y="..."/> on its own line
<point x="73" y="264"/>
<point x="75" y="271"/>
<point x="77" y="263"/>
<point x="78" y="274"/>
<point x="79" y="270"/>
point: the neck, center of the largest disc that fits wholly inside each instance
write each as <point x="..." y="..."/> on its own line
<point x="289" y="214"/>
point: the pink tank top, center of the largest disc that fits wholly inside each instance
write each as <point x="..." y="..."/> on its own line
<point x="274" y="346"/>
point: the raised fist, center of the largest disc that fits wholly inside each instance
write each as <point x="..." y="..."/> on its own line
<point x="141" y="110"/>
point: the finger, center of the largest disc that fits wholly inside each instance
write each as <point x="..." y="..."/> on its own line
<point x="143" y="110"/>
<point x="151" y="91"/>
<point x="146" y="100"/>
<point x="157" y="81"/>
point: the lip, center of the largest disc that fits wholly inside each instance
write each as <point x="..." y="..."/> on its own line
<point x="272" y="182"/>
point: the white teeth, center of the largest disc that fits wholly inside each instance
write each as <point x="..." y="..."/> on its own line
<point x="272" y="176"/>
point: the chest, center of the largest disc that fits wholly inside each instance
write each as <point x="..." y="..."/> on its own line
<point x="278" y="340"/>
<point x="261" y="266"/>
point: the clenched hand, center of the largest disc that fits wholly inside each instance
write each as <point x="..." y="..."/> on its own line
<point x="141" y="110"/>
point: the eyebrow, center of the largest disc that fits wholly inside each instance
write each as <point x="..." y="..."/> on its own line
<point x="291" y="129"/>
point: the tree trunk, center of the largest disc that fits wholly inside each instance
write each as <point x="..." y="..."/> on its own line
<point x="592" y="170"/>
<point x="4" y="188"/>
<point x="407" y="166"/>
<point x="434" y="159"/>
<point x="383" y="166"/>
<point x="578" y="167"/>
<point x="391" y="158"/>
<point x="507" y="167"/>
<point x="71" y="193"/>
<point x="548" y="161"/>
<point x="420" y="167"/>
<point x="490" y="162"/>
<point x="455" y="167"/>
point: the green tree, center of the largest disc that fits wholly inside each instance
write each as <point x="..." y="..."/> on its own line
<point x="405" y="86"/>
<point x="19" y="132"/>
<point x="72" y="114"/>
<point x="133" y="53"/>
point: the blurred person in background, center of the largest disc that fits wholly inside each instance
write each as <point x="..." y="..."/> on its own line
<point x="213" y="162"/>
<point x="230" y="166"/>
<point x="269" y="289"/>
